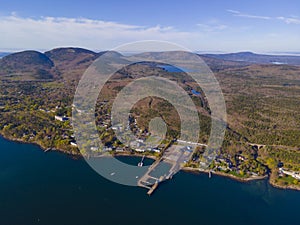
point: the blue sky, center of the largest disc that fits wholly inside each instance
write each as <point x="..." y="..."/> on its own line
<point x="228" y="26"/>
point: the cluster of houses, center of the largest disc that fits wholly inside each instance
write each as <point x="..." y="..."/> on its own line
<point x="294" y="174"/>
<point x="139" y="146"/>
<point x="104" y="120"/>
<point x="224" y="163"/>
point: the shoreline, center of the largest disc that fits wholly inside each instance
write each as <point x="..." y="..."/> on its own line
<point x="291" y="187"/>
<point x="124" y="154"/>
<point x="240" y="179"/>
<point x="43" y="148"/>
<point x="184" y="169"/>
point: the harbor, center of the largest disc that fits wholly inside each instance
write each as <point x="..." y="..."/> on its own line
<point x="173" y="160"/>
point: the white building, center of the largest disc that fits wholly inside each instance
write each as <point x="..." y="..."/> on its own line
<point x="139" y="150"/>
<point x="94" y="149"/>
<point x="156" y="150"/>
<point x="73" y="144"/>
<point x="61" y="118"/>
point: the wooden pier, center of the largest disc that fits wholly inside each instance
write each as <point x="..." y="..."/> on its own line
<point x="152" y="189"/>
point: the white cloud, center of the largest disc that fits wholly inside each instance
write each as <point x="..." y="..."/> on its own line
<point x="240" y="14"/>
<point x="233" y="11"/>
<point x="45" y="33"/>
<point x="289" y="20"/>
<point x="48" y="32"/>
<point x="212" y="26"/>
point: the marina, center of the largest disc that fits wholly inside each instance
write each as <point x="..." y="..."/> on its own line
<point x="163" y="169"/>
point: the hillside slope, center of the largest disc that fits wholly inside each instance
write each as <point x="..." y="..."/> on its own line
<point x="27" y="64"/>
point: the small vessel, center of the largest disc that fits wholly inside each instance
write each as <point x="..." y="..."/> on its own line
<point x="112" y="174"/>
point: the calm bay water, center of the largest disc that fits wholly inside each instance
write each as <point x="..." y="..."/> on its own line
<point x="51" y="188"/>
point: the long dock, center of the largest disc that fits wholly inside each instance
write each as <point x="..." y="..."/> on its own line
<point x="153" y="188"/>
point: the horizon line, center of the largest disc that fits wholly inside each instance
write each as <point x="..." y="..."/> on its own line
<point x="277" y="52"/>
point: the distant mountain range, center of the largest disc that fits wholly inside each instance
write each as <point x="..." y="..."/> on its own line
<point x="46" y="65"/>
<point x="257" y="58"/>
<point x="53" y="63"/>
